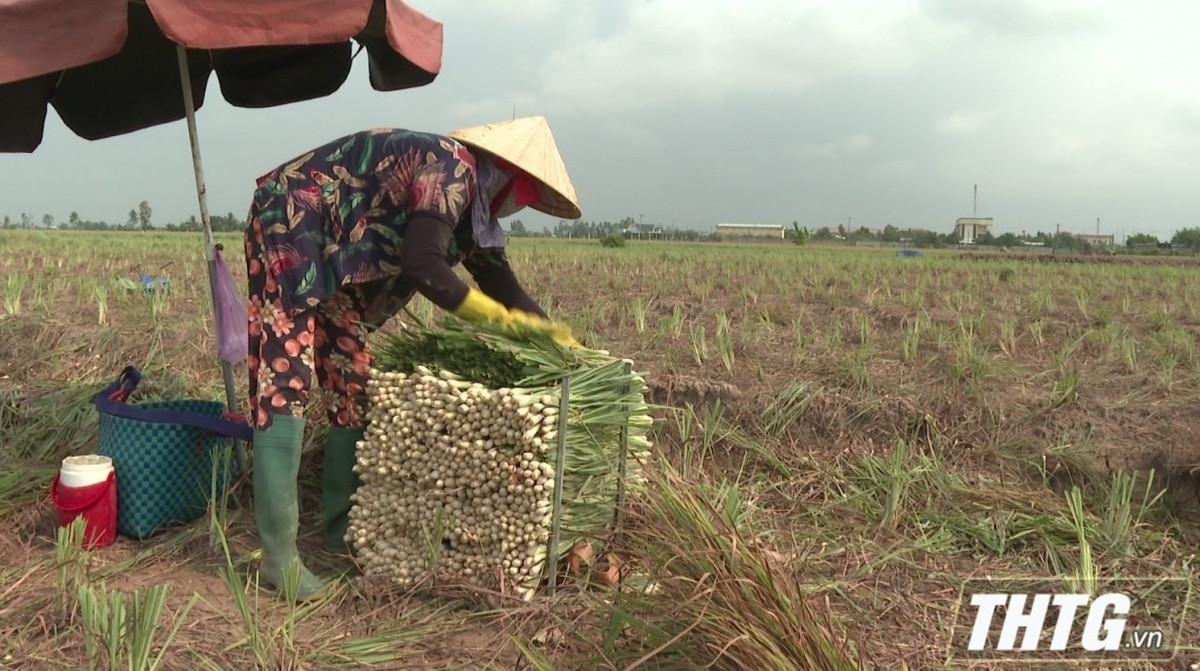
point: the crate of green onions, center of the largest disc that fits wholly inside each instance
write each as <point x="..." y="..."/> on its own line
<point x="489" y="455"/>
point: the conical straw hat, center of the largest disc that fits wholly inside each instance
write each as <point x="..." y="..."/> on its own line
<point x="528" y="144"/>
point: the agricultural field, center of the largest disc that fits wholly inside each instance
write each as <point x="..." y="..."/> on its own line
<point x="842" y="438"/>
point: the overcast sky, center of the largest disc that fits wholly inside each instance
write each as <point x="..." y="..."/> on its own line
<point x="693" y="112"/>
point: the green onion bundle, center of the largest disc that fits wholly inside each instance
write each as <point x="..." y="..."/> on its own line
<point x="458" y="462"/>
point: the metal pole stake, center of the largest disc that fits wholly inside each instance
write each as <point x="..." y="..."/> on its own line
<point x="185" y="81"/>
<point x="618" y="514"/>
<point x="564" y="403"/>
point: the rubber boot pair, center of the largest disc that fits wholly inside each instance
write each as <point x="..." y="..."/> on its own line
<point x="276" y="497"/>
<point x="338" y="483"/>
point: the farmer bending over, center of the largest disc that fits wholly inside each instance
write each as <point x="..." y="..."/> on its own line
<point x="339" y="240"/>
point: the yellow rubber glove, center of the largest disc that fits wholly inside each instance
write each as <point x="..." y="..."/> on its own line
<point x="559" y="332"/>
<point x="479" y="307"/>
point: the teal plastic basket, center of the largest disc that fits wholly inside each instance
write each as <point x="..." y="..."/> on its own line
<point x="166" y="473"/>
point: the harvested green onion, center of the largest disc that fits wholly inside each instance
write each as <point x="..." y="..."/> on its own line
<point x="458" y="461"/>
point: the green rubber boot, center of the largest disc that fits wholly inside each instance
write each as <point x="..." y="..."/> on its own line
<point x="338" y="483"/>
<point x="276" y="504"/>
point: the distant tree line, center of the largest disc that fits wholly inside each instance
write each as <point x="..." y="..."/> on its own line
<point x="914" y="237"/>
<point x="138" y="219"/>
<point x="220" y="223"/>
<point x="1185" y="238"/>
<point x="627" y="228"/>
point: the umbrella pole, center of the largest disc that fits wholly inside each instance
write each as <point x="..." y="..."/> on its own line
<point x="209" y="247"/>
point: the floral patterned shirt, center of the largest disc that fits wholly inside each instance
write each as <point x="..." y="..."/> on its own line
<point x="338" y="214"/>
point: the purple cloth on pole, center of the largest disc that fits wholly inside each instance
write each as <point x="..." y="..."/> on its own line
<point x="231" y="315"/>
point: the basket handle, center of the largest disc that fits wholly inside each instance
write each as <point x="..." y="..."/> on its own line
<point x="111" y="401"/>
<point x="124" y="386"/>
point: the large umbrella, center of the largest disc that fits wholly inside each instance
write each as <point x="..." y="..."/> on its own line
<point x="110" y="67"/>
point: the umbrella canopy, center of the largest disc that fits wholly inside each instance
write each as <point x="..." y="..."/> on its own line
<point x="116" y="66"/>
<point x="109" y="66"/>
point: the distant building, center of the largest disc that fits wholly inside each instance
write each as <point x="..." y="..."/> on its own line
<point x="640" y="231"/>
<point x="1098" y="240"/>
<point x="750" y="231"/>
<point x="967" y="229"/>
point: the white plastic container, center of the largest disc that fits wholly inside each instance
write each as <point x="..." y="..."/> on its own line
<point x="84" y="470"/>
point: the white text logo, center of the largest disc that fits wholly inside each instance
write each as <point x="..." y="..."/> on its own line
<point x="1056" y="619"/>
<point x="1102" y="629"/>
